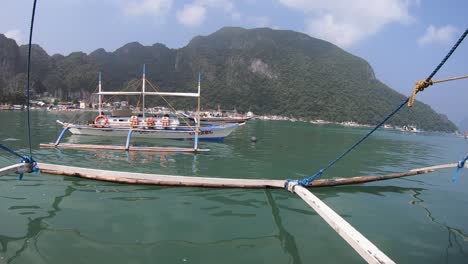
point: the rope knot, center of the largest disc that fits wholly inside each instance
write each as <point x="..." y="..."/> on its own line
<point x="289" y="184"/>
<point x="419" y="87"/>
<point x="460" y="166"/>
<point x="462" y="162"/>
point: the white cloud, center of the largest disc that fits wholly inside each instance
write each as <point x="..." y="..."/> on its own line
<point x="226" y="5"/>
<point x="194" y="14"/>
<point x="348" y="22"/>
<point x="438" y="35"/>
<point x="15" y="34"/>
<point x="191" y="15"/>
<point x="148" y="7"/>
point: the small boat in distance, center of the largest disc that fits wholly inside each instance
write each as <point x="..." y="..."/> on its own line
<point x="220" y="116"/>
<point x="411" y="129"/>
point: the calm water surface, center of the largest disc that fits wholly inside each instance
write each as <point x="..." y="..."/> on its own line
<point x="55" y="219"/>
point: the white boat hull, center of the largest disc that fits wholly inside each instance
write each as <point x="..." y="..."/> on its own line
<point x="213" y="133"/>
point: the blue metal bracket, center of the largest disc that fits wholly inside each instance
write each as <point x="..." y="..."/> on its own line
<point x="129" y="136"/>
<point x="65" y="129"/>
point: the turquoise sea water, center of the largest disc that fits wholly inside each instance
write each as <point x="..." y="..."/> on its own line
<point x="55" y="219"/>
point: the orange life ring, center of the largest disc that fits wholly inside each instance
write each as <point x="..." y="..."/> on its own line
<point x="165" y="121"/>
<point x="134" y="121"/>
<point x="98" y="123"/>
<point x="150" y="121"/>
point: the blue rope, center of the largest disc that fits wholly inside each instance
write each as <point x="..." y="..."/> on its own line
<point x="26" y="159"/>
<point x="23" y="159"/>
<point x="7" y="149"/>
<point x="448" y="55"/>
<point x="460" y="166"/>
<point x="28" y="78"/>
<point x="308" y="180"/>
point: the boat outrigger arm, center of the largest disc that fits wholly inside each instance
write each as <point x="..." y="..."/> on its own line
<point x="143" y="93"/>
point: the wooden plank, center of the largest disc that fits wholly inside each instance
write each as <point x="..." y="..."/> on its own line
<point x="157" y="179"/>
<point x="122" y="148"/>
<point x="17" y="168"/>
<point x="361" y="244"/>
<point x="371" y="178"/>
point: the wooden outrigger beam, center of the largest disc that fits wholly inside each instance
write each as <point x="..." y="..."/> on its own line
<point x="169" y="180"/>
<point x="122" y="148"/>
<point x="17" y="168"/>
<point x="156" y="179"/>
<point x="368" y="251"/>
<point x="364" y="179"/>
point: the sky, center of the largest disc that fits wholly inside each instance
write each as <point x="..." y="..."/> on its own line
<point x="403" y="40"/>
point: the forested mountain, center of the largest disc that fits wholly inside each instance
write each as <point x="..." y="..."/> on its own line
<point x="266" y="71"/>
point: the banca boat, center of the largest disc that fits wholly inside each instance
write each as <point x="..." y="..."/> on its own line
<point x="149" y="125"/>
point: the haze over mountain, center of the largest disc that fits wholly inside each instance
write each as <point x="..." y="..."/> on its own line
<point x="266" y="71"/>
<point x="464" y="124"/>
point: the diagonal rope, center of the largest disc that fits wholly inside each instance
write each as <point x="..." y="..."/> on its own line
<point x="170" y="105"/>
<point x="308" y="180"/>
<point x="29" y="75"/>
<point x="448" y="55"/>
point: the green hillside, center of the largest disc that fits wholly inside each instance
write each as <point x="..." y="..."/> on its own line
<point x="262" y="70"/>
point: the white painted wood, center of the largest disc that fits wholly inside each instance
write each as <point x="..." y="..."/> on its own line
<point x="122" y="148"/>
<point x="438" y="167"/>
<point x="151" y="93"/>
<point x="157" y="179"/>
<point x="17" y="168"/>
<point x="362" y="245"/>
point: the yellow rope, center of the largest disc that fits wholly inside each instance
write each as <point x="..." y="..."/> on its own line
<point x="167" y="102"/>
<point x="421" y="85"/>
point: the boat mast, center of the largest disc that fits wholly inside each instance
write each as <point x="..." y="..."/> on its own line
<point x="197" y="123"/>
<point x="100" y="96"/>
<point x="143" y="89"/>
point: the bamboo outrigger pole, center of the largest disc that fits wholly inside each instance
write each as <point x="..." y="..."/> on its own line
<point x="17" y="168"/>
<point x="169" y="180"/>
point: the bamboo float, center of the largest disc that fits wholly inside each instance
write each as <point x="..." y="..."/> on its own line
<point x="364" y="179"/>
<point x="156" y="179"/>
<point x="122" y="148"/>
<point x="190" y="181"/>
<point x="16" y="168"/>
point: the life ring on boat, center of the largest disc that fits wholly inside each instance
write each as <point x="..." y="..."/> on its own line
<point x="150" y="121"/>
<point x="134" y="121"/>
<point x="101" y="121"/>
<point x="165" y="121"/>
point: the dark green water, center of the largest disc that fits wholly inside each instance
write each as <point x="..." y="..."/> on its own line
<point x="54" y="219"/>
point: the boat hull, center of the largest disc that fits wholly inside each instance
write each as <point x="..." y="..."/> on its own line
<point x="210" y="133"/>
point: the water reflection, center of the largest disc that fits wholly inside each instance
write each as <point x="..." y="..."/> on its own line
<point x="34" y="227"/>
<point x="453" y="233"/>
<point x="287" y="241"/>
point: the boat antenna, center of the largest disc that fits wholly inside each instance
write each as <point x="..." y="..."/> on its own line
<point x="197" y="120"/>
<point x="100" y="95"/>
<point x="143" y="90"/>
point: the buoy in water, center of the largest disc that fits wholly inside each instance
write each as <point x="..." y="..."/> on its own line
<point x="253" y="139"/>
